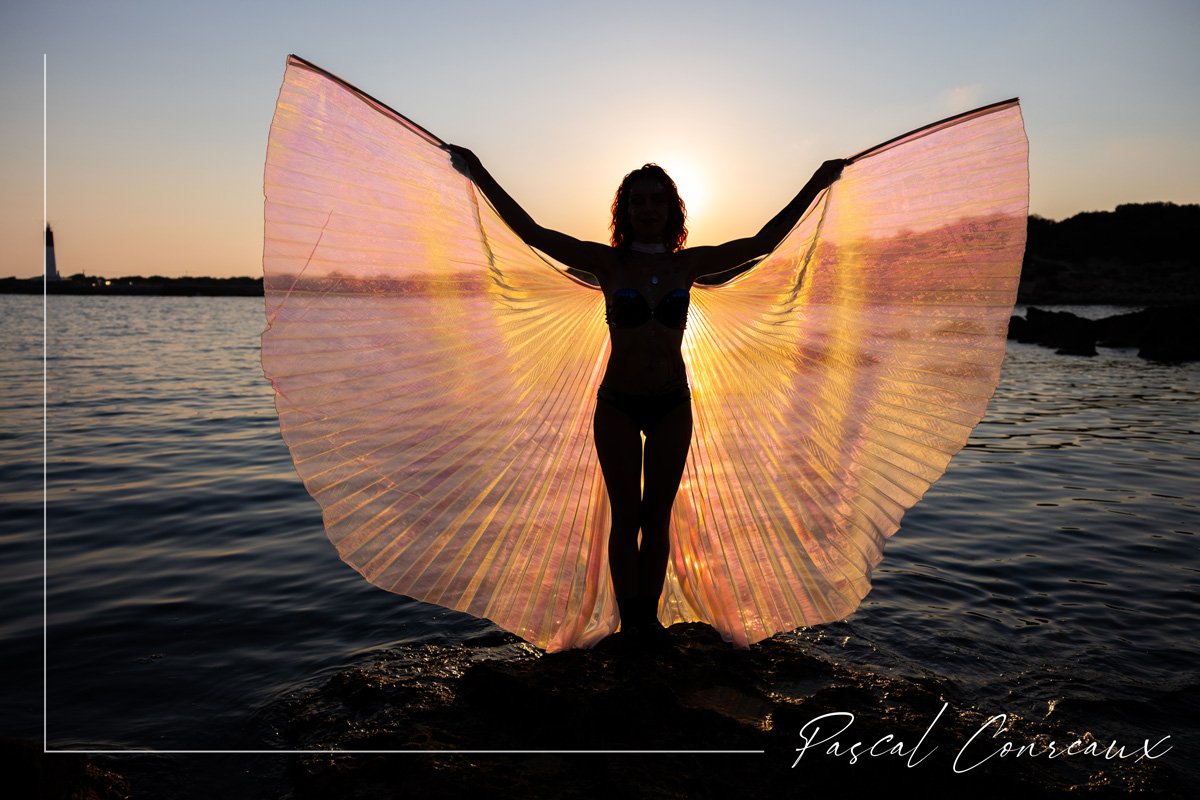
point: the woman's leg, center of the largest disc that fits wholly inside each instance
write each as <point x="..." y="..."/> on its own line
<point x="666" y="452"/>
<point x="619" y="449"/>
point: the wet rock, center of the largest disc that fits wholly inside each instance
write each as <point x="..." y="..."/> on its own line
<point x="1161" y="334"/>
<point x="1062" y="330"/>
<point x="690" y="696"/>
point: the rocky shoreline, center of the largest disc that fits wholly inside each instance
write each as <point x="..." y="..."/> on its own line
<point x="1166" y="334"/>
<point x="732" y="723"/>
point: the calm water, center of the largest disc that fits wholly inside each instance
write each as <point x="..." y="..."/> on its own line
<point x="190" y="581"/>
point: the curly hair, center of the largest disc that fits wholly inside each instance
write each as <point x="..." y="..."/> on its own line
<point x="674" y="234"/>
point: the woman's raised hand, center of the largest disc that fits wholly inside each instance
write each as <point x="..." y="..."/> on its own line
<point x="464" y="160"/>
<point x="827" y="173"/>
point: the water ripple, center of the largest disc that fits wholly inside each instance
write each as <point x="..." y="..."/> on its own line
<point x="190" y="579"/>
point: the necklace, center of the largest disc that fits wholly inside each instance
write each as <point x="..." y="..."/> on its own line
<point x="649" y="248"/>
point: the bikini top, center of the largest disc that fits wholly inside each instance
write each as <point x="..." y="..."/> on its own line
<point x="629" y="309"/>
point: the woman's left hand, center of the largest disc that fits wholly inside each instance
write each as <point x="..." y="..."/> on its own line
<point x="827" y="173"/>
<point x="463" y="159"/>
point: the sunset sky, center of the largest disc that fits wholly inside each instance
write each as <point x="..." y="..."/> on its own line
<point x="158" y="112"/>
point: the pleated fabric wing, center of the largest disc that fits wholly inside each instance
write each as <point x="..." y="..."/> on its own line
<point x="435" y="377"/>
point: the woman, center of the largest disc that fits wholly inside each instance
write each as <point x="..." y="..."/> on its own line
<point x="433" y="376"/>
<point x="646" y="276"/>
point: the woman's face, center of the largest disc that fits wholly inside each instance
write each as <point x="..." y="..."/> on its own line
<point x="649" y="207"/>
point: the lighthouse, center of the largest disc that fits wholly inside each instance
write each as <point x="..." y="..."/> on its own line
<point x="51" y="265"/>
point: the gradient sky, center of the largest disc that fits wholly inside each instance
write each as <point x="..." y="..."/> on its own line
<point x="158" y="112"/>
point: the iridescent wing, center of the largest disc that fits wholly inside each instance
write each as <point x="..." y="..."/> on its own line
<point x="834" y="381"/>
<point x="436" y="378"/>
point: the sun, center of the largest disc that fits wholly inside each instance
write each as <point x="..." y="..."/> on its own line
<point x="691" y="182"/>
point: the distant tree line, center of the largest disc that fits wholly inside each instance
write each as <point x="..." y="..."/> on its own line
<point x="136" y="284"/>
<point x="1134" y="233"/>
<point x="1136" y="254"/>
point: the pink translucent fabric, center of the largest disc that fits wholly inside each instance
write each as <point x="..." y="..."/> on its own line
<point x="436" y="377"/>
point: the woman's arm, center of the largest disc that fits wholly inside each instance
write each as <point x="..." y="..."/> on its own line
<point x="587" y="256"/>
<point x="725" y="257"/>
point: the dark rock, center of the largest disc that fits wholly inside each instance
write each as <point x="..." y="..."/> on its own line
<point x="1170" y="334"/>
<point x="1069" y="334"/>
<point x="1122" y="330"/>
<point x="463" y="720"/>
<point x="690" y="694"/>
<point x="1160" y="334"/>
<point x="1018" y="329"/>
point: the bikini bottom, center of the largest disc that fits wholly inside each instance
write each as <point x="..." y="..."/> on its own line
<point x="645" y="410"/>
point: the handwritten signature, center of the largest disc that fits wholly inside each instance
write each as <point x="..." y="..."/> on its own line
<point x="975" y="751"/>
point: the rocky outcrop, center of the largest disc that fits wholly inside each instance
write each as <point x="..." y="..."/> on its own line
<point x="1159" y="334"/>
<point x="1066" y="332"/>
<point x="468" y="719"/>
<point x="691" y="693"/>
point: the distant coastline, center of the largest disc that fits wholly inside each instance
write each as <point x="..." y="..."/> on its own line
<point x="137" y="285"/>
<point x="1139" y="254"/>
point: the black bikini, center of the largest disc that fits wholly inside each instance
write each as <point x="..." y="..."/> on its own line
<point x="645" y="411"/>
<point x="629" y="309"/>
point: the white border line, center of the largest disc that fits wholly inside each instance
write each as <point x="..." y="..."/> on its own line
<point x="45" y="572"/>
<point x="411" y="752"/>
<point x="45" y="456"/>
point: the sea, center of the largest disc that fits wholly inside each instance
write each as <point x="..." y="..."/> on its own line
<point x="166" y="575"/>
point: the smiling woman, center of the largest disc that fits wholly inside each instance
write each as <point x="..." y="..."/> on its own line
<point x="437" y="377"/>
